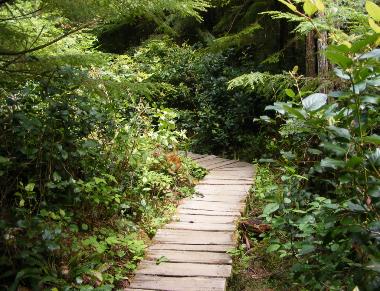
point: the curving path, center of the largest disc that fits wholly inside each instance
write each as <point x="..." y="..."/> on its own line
<point x="192" y="248"/>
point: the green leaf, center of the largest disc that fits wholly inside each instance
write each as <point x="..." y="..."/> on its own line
<point x="375" y="139"/>
<point x="294" y="112"/>
<point x="273" y="248"/>
<point x="341" y="132"/>
<point x="333" y="147"/>
<point x="161" y="259"/>
<point x="287" y="200"/>
<point x="320" y="5"/>
<point x="332" y="163"/>
<point x="30" y="187"/>
<point x="361" y="44"/>
<point x="355" y="207"/>
<point x="374" y="54"/>
<point x="314" y="101"/>
<point x="289" y="5"/>
<point x="307" y="249"/>
<point x="270" y="208"/>
<point x="290" y="93"/>
<point x="4" y="160"/>
<point x="374" y="266"/>
<point x="309" y="7"/>
<point x="112" y="240"/>
<point x="341" y="74"/>
<point x="373" y="10"/>
<point x="338" y="57"/>
<point x="374" y="192"/>
<point x="374" y="25"/>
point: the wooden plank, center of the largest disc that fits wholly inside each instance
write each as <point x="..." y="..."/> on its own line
<point x="240" y="165"/>
<point x="195" y="156"/>
<point x="175" y="256"/>
<point x="236" y="169"/>
<point x="198" y="248"/>
<point x="201" y="226"/>
<point x="194" y="237"/>
<point x="206" y="158"/>
<point x="195" y="243"/>
<point x="184" y="269"/>
<point x="211" y="206"/>
<point x="177" y="284"/>
<point x="220" y="198"/>
<point x="210" y="181"/>
<point x="236" y="177"/>
<point x="205" y="212"/>
<point x="215" y="160"/>
<point x="206" y="218"/>
<point x="225" y="188"/>
<point x="215" y="163"/>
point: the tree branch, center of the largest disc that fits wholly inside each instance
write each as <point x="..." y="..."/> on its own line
<point x="22" y="16"/>
<point x="3" y="53"/>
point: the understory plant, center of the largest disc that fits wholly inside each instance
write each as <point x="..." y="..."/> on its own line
<point x="326" y="216"/>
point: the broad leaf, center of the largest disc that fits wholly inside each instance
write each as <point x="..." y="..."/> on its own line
<point x="334" y="148"/>
<point x="314" y="101"/>
<point x="270" y="208"/>
<point x="332" y="163"/>
<point x="295" y="112"/>
<point x="309" y="7"/>
<point x="372" y="139"/>
<point x="372" y="54"/>
<point x="341" y="132"/>
<point x="341" y="74"/>
<point x="373" y="10"/>
<point x="338" y="57"/>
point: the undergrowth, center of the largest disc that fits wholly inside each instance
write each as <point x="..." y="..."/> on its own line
<point x="253" y="267"/>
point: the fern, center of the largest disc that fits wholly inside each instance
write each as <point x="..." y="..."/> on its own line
<point x="244" y="37"/>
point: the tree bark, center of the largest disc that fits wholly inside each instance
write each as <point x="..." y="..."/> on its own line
<point x="311" y="69"/>
<point x="323" y="64"/>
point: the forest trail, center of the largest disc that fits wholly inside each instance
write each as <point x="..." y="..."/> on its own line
<point x="190" y="252"/>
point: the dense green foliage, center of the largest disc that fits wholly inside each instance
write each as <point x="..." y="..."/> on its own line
<point x="89" y="167"/>
<point x="324" y="208"/>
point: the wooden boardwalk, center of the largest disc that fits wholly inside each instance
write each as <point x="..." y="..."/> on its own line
<point x="192" y="248"/>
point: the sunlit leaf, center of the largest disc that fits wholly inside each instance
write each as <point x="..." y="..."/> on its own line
<point x="314" y="101"/>
<point x="373" y="10"/>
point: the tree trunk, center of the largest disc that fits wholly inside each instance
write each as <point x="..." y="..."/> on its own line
<point x="323" y="64"/>
<point x="311" y="69"/>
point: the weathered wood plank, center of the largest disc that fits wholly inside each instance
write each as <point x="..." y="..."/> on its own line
<point x="175" y="256"/>
<point x="206" y="158"/>
<point x="205" y="218"/>
<point x="201" y="226"/>
<point x="205" y="213"/>
<point x="220" y="198"/>
<point x="194" y="237"/>
<point x="195" y="156"/>
<point x="184" y="269"/>
<point x="195" y="243"/>
<point x="177" y="284"/>
<point x="240" y="165"/>
<point x="212" y="206"/>
<point x="186" y="247"/>
<point x="211" y="181"/>
<point x="221" y="188"/>
<point x="232" y="177"/>
<point x="214" y="164"/>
